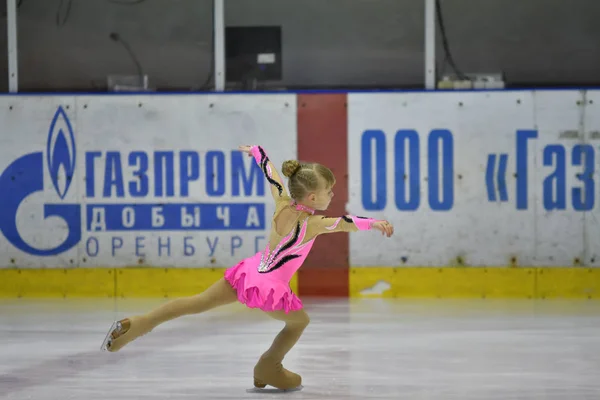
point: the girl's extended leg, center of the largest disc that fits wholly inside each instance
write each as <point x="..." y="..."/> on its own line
<point x="269" y="370"/>
<point x="128" y="329"/>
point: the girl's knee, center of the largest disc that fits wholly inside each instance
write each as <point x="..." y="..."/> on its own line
<point x="293" y="319"/>
<point x="303" y="319"/>
<point x="306" y="320"/>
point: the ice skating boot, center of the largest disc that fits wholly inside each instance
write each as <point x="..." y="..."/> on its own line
<point x="271" y="372"/>
<point x="124" y="331"/>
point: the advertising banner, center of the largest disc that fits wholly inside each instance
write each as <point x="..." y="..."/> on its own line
<point x="476" y="178"/>
<point x="137" y="180"/>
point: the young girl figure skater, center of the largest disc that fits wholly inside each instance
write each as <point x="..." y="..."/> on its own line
<point x="262" y="281"/>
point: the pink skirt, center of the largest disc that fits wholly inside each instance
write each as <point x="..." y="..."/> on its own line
<point x="257" y="290"/>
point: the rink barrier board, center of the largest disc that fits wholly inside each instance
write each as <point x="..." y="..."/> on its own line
<point x="364" y="282"/>
<point x="134" y="282"/>
<point x="406" y="282"/>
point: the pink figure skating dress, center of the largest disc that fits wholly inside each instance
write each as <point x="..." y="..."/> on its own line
<point x="263" y="280"/>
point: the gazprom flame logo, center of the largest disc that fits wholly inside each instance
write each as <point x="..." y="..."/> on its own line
<point x="60" y="153"/>
<point x="25" y="177"/>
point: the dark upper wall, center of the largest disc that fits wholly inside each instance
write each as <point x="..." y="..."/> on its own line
<point x="325" y="43"/>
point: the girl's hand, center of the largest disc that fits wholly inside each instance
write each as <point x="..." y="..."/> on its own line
<point x="384" y="227"/>
<point x="246" y="149"/>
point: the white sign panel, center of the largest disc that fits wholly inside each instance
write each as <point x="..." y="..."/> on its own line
<point x="138" y="180"/>
<point x="476" y="178"/>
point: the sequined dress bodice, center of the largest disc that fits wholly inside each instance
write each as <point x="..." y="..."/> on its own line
<point x="288" y="255"/>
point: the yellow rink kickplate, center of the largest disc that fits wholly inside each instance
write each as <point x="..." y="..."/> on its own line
<point x="401" y="282"/>
<point x="57" y="282"/>
<point x="471" y="282"/>
<point x="570" y="282"/>
<point x="108" y="282"/>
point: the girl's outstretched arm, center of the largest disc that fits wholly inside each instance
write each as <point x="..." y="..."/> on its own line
<point x="350" y="223"/>
<point x="276" y="183"/>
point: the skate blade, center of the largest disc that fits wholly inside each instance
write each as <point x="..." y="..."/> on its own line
<point x="274" y="390"/>
<point x="108" y="339"/>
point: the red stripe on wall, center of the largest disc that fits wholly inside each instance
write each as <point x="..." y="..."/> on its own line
<point x="323" y="138"/>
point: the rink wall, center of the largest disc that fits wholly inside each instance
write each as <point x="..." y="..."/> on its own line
<point x="493" y="194"/>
